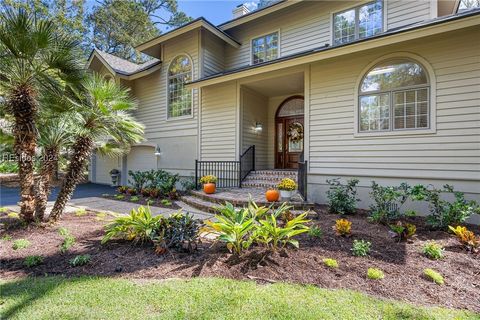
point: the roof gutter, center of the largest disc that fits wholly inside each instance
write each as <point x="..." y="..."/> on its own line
<point x="325" y="52"/>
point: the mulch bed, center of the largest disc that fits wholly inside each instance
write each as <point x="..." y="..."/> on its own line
<point x="402" y="263"/>
<point x="142" y="201"/>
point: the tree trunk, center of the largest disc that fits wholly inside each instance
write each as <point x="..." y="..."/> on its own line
<point x="82" y="149"/>
<point x="43" y="190"/>
<point x="22" y="104"/>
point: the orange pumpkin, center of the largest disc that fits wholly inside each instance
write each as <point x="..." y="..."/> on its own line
<point x="272" y="195"/>
<point x="209" y="188"/>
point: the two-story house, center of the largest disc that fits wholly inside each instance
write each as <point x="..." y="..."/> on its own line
<point x="385" y="90"/>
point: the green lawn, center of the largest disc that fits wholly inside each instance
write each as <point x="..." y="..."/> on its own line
<point x="108" y="298"/>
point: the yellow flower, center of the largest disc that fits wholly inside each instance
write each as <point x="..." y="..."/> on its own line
<point x="287" y="185"/>
<point x="208" y="179"/>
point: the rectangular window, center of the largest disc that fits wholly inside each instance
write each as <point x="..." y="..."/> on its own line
<point x="358" y="23"/>
<point x="265" y="48"/>
<point x="409" y="109"/>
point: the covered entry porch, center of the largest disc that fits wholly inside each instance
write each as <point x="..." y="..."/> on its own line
<point x="272" y="117"/>
<point x="263" y="119"/>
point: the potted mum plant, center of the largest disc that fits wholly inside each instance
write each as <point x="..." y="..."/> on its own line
<point x="286" y="187"/>
<point x="208" y="183"/>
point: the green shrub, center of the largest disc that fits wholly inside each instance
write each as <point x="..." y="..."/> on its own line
<point x="433" y="250"/>
<point x="6" y="237"/>
<point x="63" y="231"/>
<point x="3" y="210"/>
<point x="342" y="199"/>
<point x="80" y="212"/>
<point x="150" y="202"/>
<point x="32" y="261"/>
<point x="375" y="274"/>
<point x="331" y="263"/>
<point x="188" y="183"/>
<point x="20" y="244"/>
<point x="139" y="179"/>
<point x="67" y="243"/>
<point x="361" y="248"/>
<point x="8" y="167"/>
<point x="442" y="212"/>
<point x="134" y="199"/>
<point x="387" y="202"/>
<point x="234" y="227"/>
<point x="140" y="226"/>
<point x="166" y="202"/>
<point x="403" y="231"/>
<point x="180" y="232"/>
<point x="434" y="276"/>
<point x="80" y="260"/>
<point x="315" y="232"/>
<point x="269" y="233"/>
<point x="119" y="196"/>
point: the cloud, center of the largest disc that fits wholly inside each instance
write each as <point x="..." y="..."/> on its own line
<point x="252" y="5"/>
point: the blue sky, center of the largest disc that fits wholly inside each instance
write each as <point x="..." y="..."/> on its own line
<point x="214" y="11"/>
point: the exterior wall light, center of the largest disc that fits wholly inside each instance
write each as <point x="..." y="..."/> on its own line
<point x="258" y="127"/>
<point x="158" y="151"/>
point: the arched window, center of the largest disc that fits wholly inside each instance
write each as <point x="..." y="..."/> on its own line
<point x="393" y="96"/>
<point x="179" y="98"/>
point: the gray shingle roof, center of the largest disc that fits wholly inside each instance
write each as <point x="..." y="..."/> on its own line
<point x="126" y="67"/>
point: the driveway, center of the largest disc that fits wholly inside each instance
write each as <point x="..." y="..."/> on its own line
<point x="10" y="196"/>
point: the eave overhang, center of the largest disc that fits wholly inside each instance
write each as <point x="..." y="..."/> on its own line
<point x="433" y="27"/>
<point x="192" y="25"/>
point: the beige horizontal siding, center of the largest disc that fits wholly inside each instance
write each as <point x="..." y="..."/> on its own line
<point x="213" y="54"/>
<point x="218" y="122"/>
<point x="404" y="12"/>
<point x="150" y="91"/>
<point x="453" y="152"/>
<point x="255" y="109"/>
<point x="307" y="25"/>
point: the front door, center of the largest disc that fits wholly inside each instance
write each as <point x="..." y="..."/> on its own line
<point x="289" y="133"/>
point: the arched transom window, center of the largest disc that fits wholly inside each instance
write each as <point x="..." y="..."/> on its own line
<point x="394" y="95"/>
<point x="179" y="98"/>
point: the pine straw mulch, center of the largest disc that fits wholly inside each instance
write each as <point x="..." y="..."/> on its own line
<point x="402" y="263"/>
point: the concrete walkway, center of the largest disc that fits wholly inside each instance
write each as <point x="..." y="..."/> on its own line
<point x="123" y="207"/>
<point x="99" y="204"/>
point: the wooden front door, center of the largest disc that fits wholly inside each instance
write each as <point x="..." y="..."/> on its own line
<point x="289" y="133"/>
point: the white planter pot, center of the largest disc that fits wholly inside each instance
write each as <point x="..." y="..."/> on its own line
<point x="286" y="195"/>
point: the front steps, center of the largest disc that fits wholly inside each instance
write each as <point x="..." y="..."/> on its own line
<point x="268" y="178"/>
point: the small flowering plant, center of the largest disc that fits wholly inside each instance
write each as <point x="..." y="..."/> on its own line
<point x="208" y="179"/>
<point x="287" y="185"/>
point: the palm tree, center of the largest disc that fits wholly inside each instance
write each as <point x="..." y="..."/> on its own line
<point x="55" y="134"/>
<point x="103" y="115"/>
<point x="35" y="58"/>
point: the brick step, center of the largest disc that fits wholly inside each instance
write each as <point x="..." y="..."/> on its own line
<point x="267" y="178"/>
<point x="206" y="202"/>
<point x="260" y="183"/>
<point x="279" y="173"/>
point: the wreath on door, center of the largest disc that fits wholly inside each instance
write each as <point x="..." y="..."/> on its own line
<point x="295" y="132"/>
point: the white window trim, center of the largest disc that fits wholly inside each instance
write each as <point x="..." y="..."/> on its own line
<point x="263" y="35"/>
<point x="191" y="115"/>
<point x="346" y="8"/>
<point x="432" y="91"/>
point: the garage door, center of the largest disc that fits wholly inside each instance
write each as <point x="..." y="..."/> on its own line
<point x="141" y="159"/>
<point x="103" y="166"/>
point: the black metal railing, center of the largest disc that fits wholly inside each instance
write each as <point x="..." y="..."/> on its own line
<point x="230" y="174"/>
<point x="302" y="176"/>
<point x="247" y="162"/>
